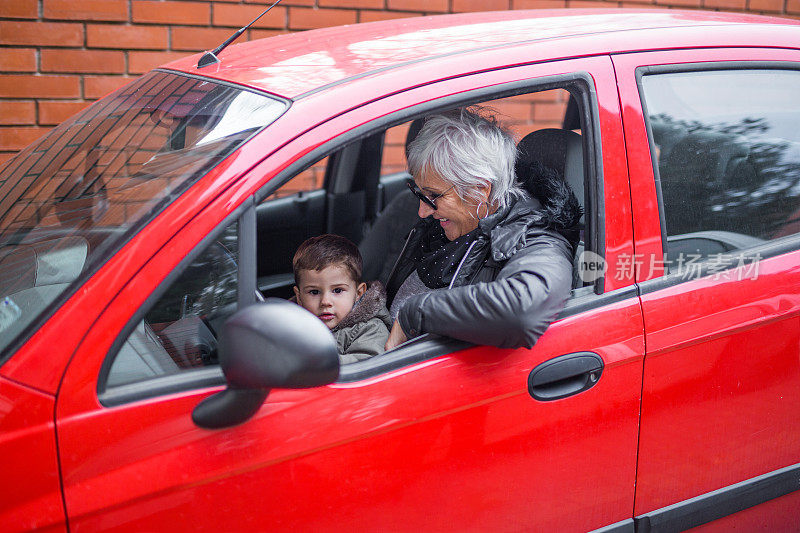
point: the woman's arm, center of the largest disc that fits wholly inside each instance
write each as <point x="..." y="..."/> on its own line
<point x="510" y="312"/>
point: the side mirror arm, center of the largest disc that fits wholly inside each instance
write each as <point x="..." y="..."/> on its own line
<point x="274" y="344"/>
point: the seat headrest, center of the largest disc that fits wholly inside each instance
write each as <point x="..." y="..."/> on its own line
<point x="560" y="150"/>
<point x="413" y="131"/>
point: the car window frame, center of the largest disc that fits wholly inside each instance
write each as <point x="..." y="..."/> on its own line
<point x="200" y="377"/>
<point x="766" y="250"/>
<point x="580" y="84"/>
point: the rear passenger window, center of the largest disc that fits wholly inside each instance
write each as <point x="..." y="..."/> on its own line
<point x="727" y="152"/>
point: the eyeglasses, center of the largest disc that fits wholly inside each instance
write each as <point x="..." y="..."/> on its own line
<point x="429" y="201"/>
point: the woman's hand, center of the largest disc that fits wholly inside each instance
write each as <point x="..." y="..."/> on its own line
<point x="396" y="336"/>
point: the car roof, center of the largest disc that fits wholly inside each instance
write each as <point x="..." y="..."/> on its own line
<point x="297" y="64"/>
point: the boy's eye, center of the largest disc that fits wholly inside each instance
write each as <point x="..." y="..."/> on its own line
<point x="338" y="290"/>
<point x="313" y="291"/>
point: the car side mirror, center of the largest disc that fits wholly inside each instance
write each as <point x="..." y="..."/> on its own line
<point x="275" y="344"/>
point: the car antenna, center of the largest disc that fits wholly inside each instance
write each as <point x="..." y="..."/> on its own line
<point x="209" y="58"/>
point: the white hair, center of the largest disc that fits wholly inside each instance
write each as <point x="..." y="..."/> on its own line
<point x="467" y="148"/>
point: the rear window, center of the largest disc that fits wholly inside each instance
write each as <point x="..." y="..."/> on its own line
<point x="74" y="197"/>
<point x="727" y="148"/>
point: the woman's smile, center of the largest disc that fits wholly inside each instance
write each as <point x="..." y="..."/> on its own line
<point x="456" y="216"/>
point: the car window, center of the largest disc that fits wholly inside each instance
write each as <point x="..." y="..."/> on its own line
<point x="71" y="199"/>
<point x="311" y="179"/>
<point x="177" y="333"/>
<point x="179" y="330"/>
<point x="727" y="151"/>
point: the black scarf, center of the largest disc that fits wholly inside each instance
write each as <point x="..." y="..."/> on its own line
<point x="437" y="258"/>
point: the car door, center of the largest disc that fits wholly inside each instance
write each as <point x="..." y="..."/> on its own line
<point x="713" y="151"/>
<point x="437" y="435"/>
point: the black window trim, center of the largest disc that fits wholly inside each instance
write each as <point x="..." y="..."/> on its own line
<point x="765" y="251"/>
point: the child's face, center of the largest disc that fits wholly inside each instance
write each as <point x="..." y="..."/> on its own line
<point x="328" y="293"/>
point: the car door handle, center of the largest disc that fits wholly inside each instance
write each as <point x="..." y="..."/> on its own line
<point x="564" y="376"/>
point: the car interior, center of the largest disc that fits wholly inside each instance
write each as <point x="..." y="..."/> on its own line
<point x="359" y="191"/>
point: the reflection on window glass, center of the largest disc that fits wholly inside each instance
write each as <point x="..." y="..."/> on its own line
<point x="71" y="199"/>
<point x="179" y="332"/>
<point x="727" y="148"/>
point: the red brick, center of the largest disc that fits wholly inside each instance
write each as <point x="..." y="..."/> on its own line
<point x="737" y="5"/>
<point x="107" y="10"/>
<point x="286" y="3"/>
<point x="679" y="3"/>
<point x="770" y="6"/>
<point x="5" y="157"/>
<point x="418" y="5"/>
<point x="460" y="6"/>
<point x="99" y="86"/>
<point x="14" y="113"/>
<point x="80" y="61"/>
<point x="51" y="113"/>
<point x="41" y="33"/>
<point x="45" y="86"/>
<point x="197" y="39"/>
<point x="18" y="60"/>
<point x="373" y="4"/>
<point x="19" y="138"/>
<point x="237" y="16"/>
<point x="548" y="112"/>
<point x="793" y="6"/>
<point x="116" y="36"/>
<point x="373" y="16"/>
<point x="538" y="4"/>
<point x="141" y="62"/>
<point x="301" y="18"/>
<point x="397" y="134"/>
<point x="577" y="4"/>
<point x="147" y="11"/>
<point x="263" y="34"/>
<point x="19" y="9"/>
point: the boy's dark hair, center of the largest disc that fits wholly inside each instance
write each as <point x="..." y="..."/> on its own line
<point x="323" y="251"/>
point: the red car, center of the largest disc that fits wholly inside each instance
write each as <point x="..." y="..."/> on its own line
<point x="664" y="397"/>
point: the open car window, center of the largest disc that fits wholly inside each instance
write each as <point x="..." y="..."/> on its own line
<point x="351" y="190"/>
<point x="71" y="199"/>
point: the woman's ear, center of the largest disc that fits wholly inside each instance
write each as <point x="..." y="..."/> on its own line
<point x="362" y="287"/>
<point x="485" y="191"/>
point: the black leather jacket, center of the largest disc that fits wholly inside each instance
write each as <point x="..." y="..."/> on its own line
<point x="511" y="285"/>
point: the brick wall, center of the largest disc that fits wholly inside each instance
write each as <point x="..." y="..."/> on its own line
<point x="56" y="56"/>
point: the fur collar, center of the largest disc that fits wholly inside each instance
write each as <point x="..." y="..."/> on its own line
<point x="371" y="304"/>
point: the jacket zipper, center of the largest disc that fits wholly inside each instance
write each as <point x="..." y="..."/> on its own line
<point x="462" y="263"/>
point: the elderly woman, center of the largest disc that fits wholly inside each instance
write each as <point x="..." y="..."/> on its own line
<point x="487" y="263"/>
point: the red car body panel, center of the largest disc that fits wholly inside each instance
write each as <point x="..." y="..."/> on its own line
<point x="481" y="409"/>
<point x="722" y="371"/>
<point x="296" y="64"/>
<point x="32" y="499"/>
<point x="456" y="439"/>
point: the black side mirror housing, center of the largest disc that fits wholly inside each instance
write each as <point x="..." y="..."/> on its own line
<point x="275" y="344"/>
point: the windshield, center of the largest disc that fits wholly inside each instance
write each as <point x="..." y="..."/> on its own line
<point x="71" y="199"/>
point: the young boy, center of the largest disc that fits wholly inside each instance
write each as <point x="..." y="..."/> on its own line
<point x="327" y="273"/>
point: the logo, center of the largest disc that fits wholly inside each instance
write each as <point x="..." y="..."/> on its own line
<point x="591" y="267"/>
